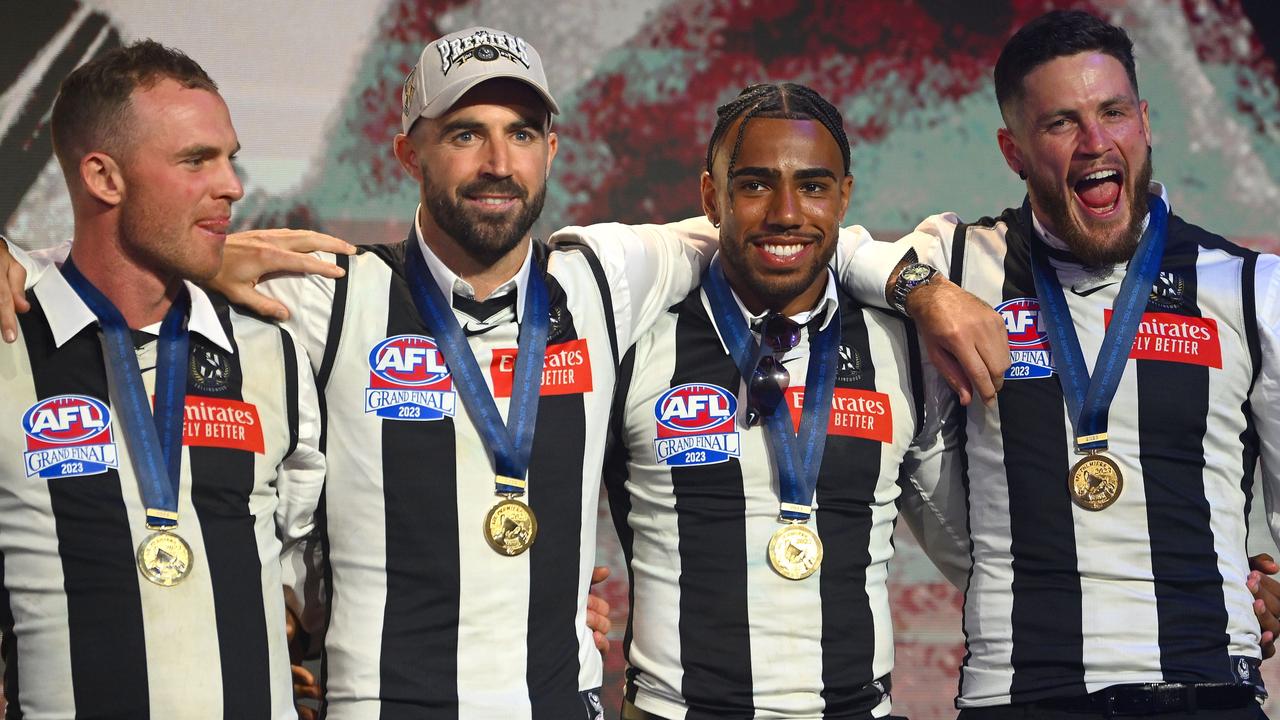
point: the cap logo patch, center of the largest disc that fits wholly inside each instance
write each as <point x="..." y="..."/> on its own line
<point x="409" y="85"/>
<point x="482" y="45"/>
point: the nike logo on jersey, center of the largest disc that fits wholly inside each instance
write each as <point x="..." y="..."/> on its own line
<point x="1092" y="290"/>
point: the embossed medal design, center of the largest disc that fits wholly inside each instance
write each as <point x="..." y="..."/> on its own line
<point x="1095" y="482"/>
<point x="164" y="558"/>
<point x="510" y="527"/>
<point x="795" y="551"/>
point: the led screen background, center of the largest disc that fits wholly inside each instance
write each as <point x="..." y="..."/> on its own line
<point x="314" y="92"/>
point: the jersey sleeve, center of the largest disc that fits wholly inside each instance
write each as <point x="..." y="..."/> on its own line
<point x="1265" y="398"/>
<point x="310" y="302"/>
<point x="933" y="501"/>
<point x="300" y="480"/>
<point x="648" y="267"/>
<point x="865" y="265"/>
<point x="37" y="261"/>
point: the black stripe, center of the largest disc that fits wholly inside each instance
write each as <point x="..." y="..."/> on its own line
<point x="337" y="316"/>
<point x="960" y="416"/>
<point x="956" y="272"/>
<point x="616" y="473"/>
<point x="1249" y="437"/>
<point x="1171" y="432"/>
<point x="28" y="29"/>
<point x="916" y="369"/>
<point x="104" y="605"/>
<point x="602" y="283"/>
<point x="846" y="492"/>
<point x="555" y="496"/>
<point x="1048" y="640"/>
<point x="9" y="650"/>
<point x="419" y="664"/>
<point x="290" y="388"/>
<point x="222" y="484"/>
<point x="710" y="505"/>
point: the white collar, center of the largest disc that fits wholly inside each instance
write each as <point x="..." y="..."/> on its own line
<point x="826" y="305"/>
<point x="449" y="282"/>
<point x="1057" y="243"/>
<point x="68" y="315"/>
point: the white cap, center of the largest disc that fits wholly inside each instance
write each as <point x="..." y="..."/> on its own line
<point x="459" y="61"/>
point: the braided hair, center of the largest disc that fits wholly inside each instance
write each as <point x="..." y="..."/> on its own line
<point x="787" y="101"/>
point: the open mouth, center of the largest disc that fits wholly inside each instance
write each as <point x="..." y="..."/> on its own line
<point x="782" y="251"/>
<point x="1099" y="192"/>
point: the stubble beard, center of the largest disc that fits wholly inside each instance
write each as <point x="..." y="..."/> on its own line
<point x="484" y="238"/>
<point x="775" y="290"/>
<point x="158" y="246"/>
<point x="1084" y="246"/>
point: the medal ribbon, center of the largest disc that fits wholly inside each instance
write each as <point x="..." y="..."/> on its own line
<point x="797" y="456"/>
<point x="1089" y="398"/>
<point x="154" y="437"/>
<point x="511" y="443"/>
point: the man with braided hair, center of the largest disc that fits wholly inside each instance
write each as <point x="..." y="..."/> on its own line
<point x="758" y="554"/>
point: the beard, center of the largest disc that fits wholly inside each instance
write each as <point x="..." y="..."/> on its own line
<point x="485" y="237"/>
<point x="774" y="290"/>
<point x="1090" y="250"/>
<point x="160" y="245"/>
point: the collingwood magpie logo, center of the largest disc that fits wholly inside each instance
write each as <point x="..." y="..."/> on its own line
<point x="558" y="323"/>
<point x="850" y="368"/>
<point x="210" y="370"/>
<point x="485" y="46"/>
<point x="1168" y="291"/>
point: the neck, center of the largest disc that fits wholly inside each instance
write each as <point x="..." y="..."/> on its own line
<point x="142" y="295"/>
<point x="483" y="277"/>
<point x="758" y="303"/>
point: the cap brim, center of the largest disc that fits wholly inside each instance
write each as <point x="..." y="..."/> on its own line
<point x="448" y="97"/>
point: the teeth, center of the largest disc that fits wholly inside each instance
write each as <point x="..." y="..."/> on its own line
<point x="783" y="250"/>
<point x="492" y="201"/>
<point x="1099" y="175"/>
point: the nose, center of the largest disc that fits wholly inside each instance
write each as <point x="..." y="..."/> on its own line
<point x="1094" y="139"/>
<point x="497" y="161"/>
<point x="784" y="209"/>
<point x="228" y="186"/>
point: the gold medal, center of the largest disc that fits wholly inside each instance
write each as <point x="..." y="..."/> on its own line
<point x="1095" y="482"/>
<point x="795" y="551"/>
<point x="164" y="558"/>
<point x="510" y="527"/>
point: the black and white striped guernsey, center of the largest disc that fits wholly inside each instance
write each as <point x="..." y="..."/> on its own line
<point x="423" y="617"/>
<point x="714" y="631"/>
<point x="85" y="635"/>
<point x="1064" y="601"/>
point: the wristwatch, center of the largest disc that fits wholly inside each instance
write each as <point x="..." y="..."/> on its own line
<point x="912" y="276"/>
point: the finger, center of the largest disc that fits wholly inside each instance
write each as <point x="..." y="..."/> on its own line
<point x="599" y="574"/>
<point x="975" y="369"/>
<point x="993" y="347"/>
<point x="1268" y="643"/>
<point x="302" y="676"/>
<point x="951" y="372"/>
<point x="306" y="713"/>
<point x="301" y="241"/>
<point x="1269" y="592"/>
<point x="602" y="642"/>
<point x="602" y="623"/>
<point x="1263" y="562"/>
<point x="247" y="297"/>
<point x="597" y="604"/>
<point x="13" y="300"/>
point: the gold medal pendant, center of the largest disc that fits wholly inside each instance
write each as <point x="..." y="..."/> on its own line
<point x="164" y="558"/>
<point x="795" y="551"/>
<point x="1095" y="482"/>
<point x="510" y="527"/>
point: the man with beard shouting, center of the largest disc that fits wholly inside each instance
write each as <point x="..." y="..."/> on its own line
<point x="1108" y="488"/>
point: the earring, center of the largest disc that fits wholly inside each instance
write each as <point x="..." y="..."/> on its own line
<point x="715" y="223"/>
<point x="1022" y="174"/>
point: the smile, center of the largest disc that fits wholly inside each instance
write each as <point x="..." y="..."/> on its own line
<point x="782" y="251"/>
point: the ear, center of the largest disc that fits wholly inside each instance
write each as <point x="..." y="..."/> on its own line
<point x="1009" y="148"/>
<point x="1146" y="120"/>
<point x="710" y="201"/>
<point x="102" y="179"/>
<point x="407" y="155"/>
<point x="846" y="194"/>
<point x="553" y="145"/>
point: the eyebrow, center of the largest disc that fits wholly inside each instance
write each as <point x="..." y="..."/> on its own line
<point x="204" y="151"/>
<point x="472" y="125"/>
<point x="774" y="173"/>
<point x="1112" y="101"/>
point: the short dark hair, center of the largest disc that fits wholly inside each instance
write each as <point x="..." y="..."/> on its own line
<point x="93" y="101"/>
<point x="1053" y="35"/>
<point x="788" y="101"/>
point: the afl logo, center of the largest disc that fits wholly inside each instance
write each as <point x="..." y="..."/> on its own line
<point x="1022" y="321"/>
<point x="1028" y="344"/>
<point x="68" y="436"/>
<point x="695" y="425"/>
<point x="695" y="408"/>
<point x="408" y="361"/>
<point x="66" y="419"/>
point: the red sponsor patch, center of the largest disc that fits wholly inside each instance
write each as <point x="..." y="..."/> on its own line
<point x="566" y="370"/>
<point x="854" y="413"/>
<point x="1176" y="338"/>
<point x="217" y="422"/>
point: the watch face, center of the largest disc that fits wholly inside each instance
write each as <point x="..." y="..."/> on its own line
<point x="916" y="273"/>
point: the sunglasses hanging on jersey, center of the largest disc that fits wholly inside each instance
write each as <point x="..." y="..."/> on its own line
<point x="778" y="335"/>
